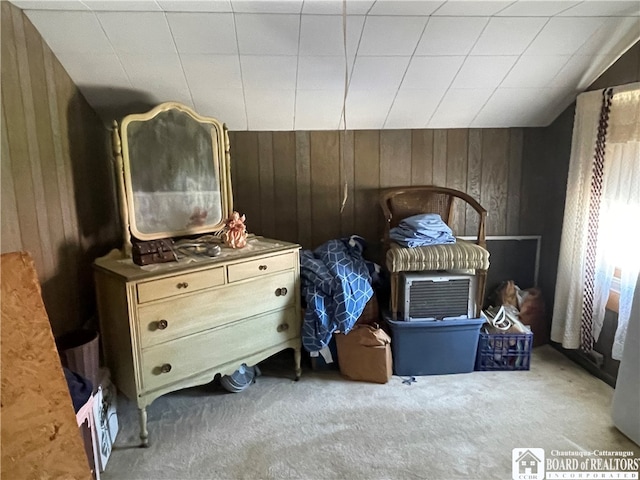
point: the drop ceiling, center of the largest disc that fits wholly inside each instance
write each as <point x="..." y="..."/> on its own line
<point x="282" y="65"/>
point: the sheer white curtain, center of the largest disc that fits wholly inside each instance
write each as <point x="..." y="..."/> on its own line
<point x="618" y="219"/>
<point x="619" y="229"/>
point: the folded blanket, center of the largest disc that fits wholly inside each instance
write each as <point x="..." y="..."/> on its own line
<point x="421" y="230"/>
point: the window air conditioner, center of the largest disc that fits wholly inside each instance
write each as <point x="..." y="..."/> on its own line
<point x="436" y="295"/>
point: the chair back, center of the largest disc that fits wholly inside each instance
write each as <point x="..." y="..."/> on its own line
<point x="399" y="203"/>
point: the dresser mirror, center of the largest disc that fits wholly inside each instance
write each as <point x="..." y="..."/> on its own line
<point x="175" y="169"/>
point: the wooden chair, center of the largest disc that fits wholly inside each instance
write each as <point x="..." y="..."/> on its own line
<point x="402" y="202"/>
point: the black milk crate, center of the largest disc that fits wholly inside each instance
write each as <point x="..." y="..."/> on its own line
<point x="504" y="351"/>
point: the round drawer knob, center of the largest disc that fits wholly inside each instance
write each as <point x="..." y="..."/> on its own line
<point x="281" y="292"/>
<point x="282" y="327"/>
<point x="166" y="368"/>
<point x="182" y="285"/>
<point x="262" y="267"/>
<point x="162" y="324"/>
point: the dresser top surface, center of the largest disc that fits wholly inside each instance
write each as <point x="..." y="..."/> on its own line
<point x="125" y="268"/>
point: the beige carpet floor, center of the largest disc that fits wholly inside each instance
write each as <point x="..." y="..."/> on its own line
<point x="445" y="427"/>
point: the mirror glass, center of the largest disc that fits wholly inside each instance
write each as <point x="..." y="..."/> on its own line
<point x="176" y="173"/>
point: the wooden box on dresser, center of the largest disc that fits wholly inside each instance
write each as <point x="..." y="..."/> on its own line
<point x="174" y="325"/>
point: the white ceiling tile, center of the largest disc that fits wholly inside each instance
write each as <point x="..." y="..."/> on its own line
<point x="405" y="7"/>
<point x="158" y="73"/>
<point x="70" y="32"/>
<point x="267" y="6"/>
<point x="204" y="32"/>
<point x="564" y="36"/>
<point x="507" y="36"/>
<point x="103" y="101"/>
<point x="268" y="73"/>
<point x="413" y="108"/>
<point x="434" y="72"/>
<point x="378" y="73"/>
<point x="459" y="107"/>
<point x="558" y="106"/>
<point x="114" y="103"/>
<point x="123" y="5"/>
<point x="556" y="101"/>
<point x="94" y="69"/>
<point x="537" y="8"/>
<point x="368" y="109"/>
<point x="437" y="38"/>
<point x="270" y="109"/>
<point x="334" y="7"/>
<point x="612" y="33"/>
<point x="220" y="6"/>
<point x="580" y="71"/>
<point x="318" y="109"/>
<point x="323" y="34"/>
<point x="205" y="72"/>
<point x="225" y="105"/>
<point x="268" y="34"/>
<point x="160" y="94"/>
<point x="136" y="63"/>
<point x="137" y="32"/>
<point x="604" y="8"/>
<point x="483" y="72"/>
<point x="50" y="4"/>
<point x="391" y="35"/>
<point x="532" y="71"/>
<point x="321" y="73"/>
<point x="323" y="7"/>
<point x="599" y="52"/>
<point x="358" y="7"/>
<point x="518" y="107"/>
<point x="472" y="8"/>
<point x="306" y="52"/>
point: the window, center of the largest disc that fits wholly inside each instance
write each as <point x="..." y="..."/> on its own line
<point x="613" y="302"/>
<point x="598" y="250"/>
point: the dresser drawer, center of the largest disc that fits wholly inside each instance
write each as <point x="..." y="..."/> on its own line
<point x="263" y="266"/>
<point x="181" y="358"/>
<point x="179" y="284"/>
<point x="172" y="318"/>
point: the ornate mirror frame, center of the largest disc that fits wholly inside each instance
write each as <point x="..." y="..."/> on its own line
<point x="173" y="164"/>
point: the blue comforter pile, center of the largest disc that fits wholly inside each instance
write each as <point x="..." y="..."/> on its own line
<point x="336" y="284"/>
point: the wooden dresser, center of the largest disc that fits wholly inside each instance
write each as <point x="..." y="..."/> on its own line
<point x="169" y="326"/>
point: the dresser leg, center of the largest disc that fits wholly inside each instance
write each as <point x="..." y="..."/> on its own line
<point x="144" y="433"/>
<point x="297" y="355"/>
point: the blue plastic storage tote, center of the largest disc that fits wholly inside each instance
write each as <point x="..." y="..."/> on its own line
<point x="434" y="347"/>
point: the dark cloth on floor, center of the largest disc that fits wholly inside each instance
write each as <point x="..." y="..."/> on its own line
<point x="79" y="387"/>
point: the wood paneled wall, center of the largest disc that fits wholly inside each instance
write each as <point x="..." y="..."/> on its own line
<point x="58" y="199"/>
<point x="58" y="194"/>
<point x="291" y="184"/>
